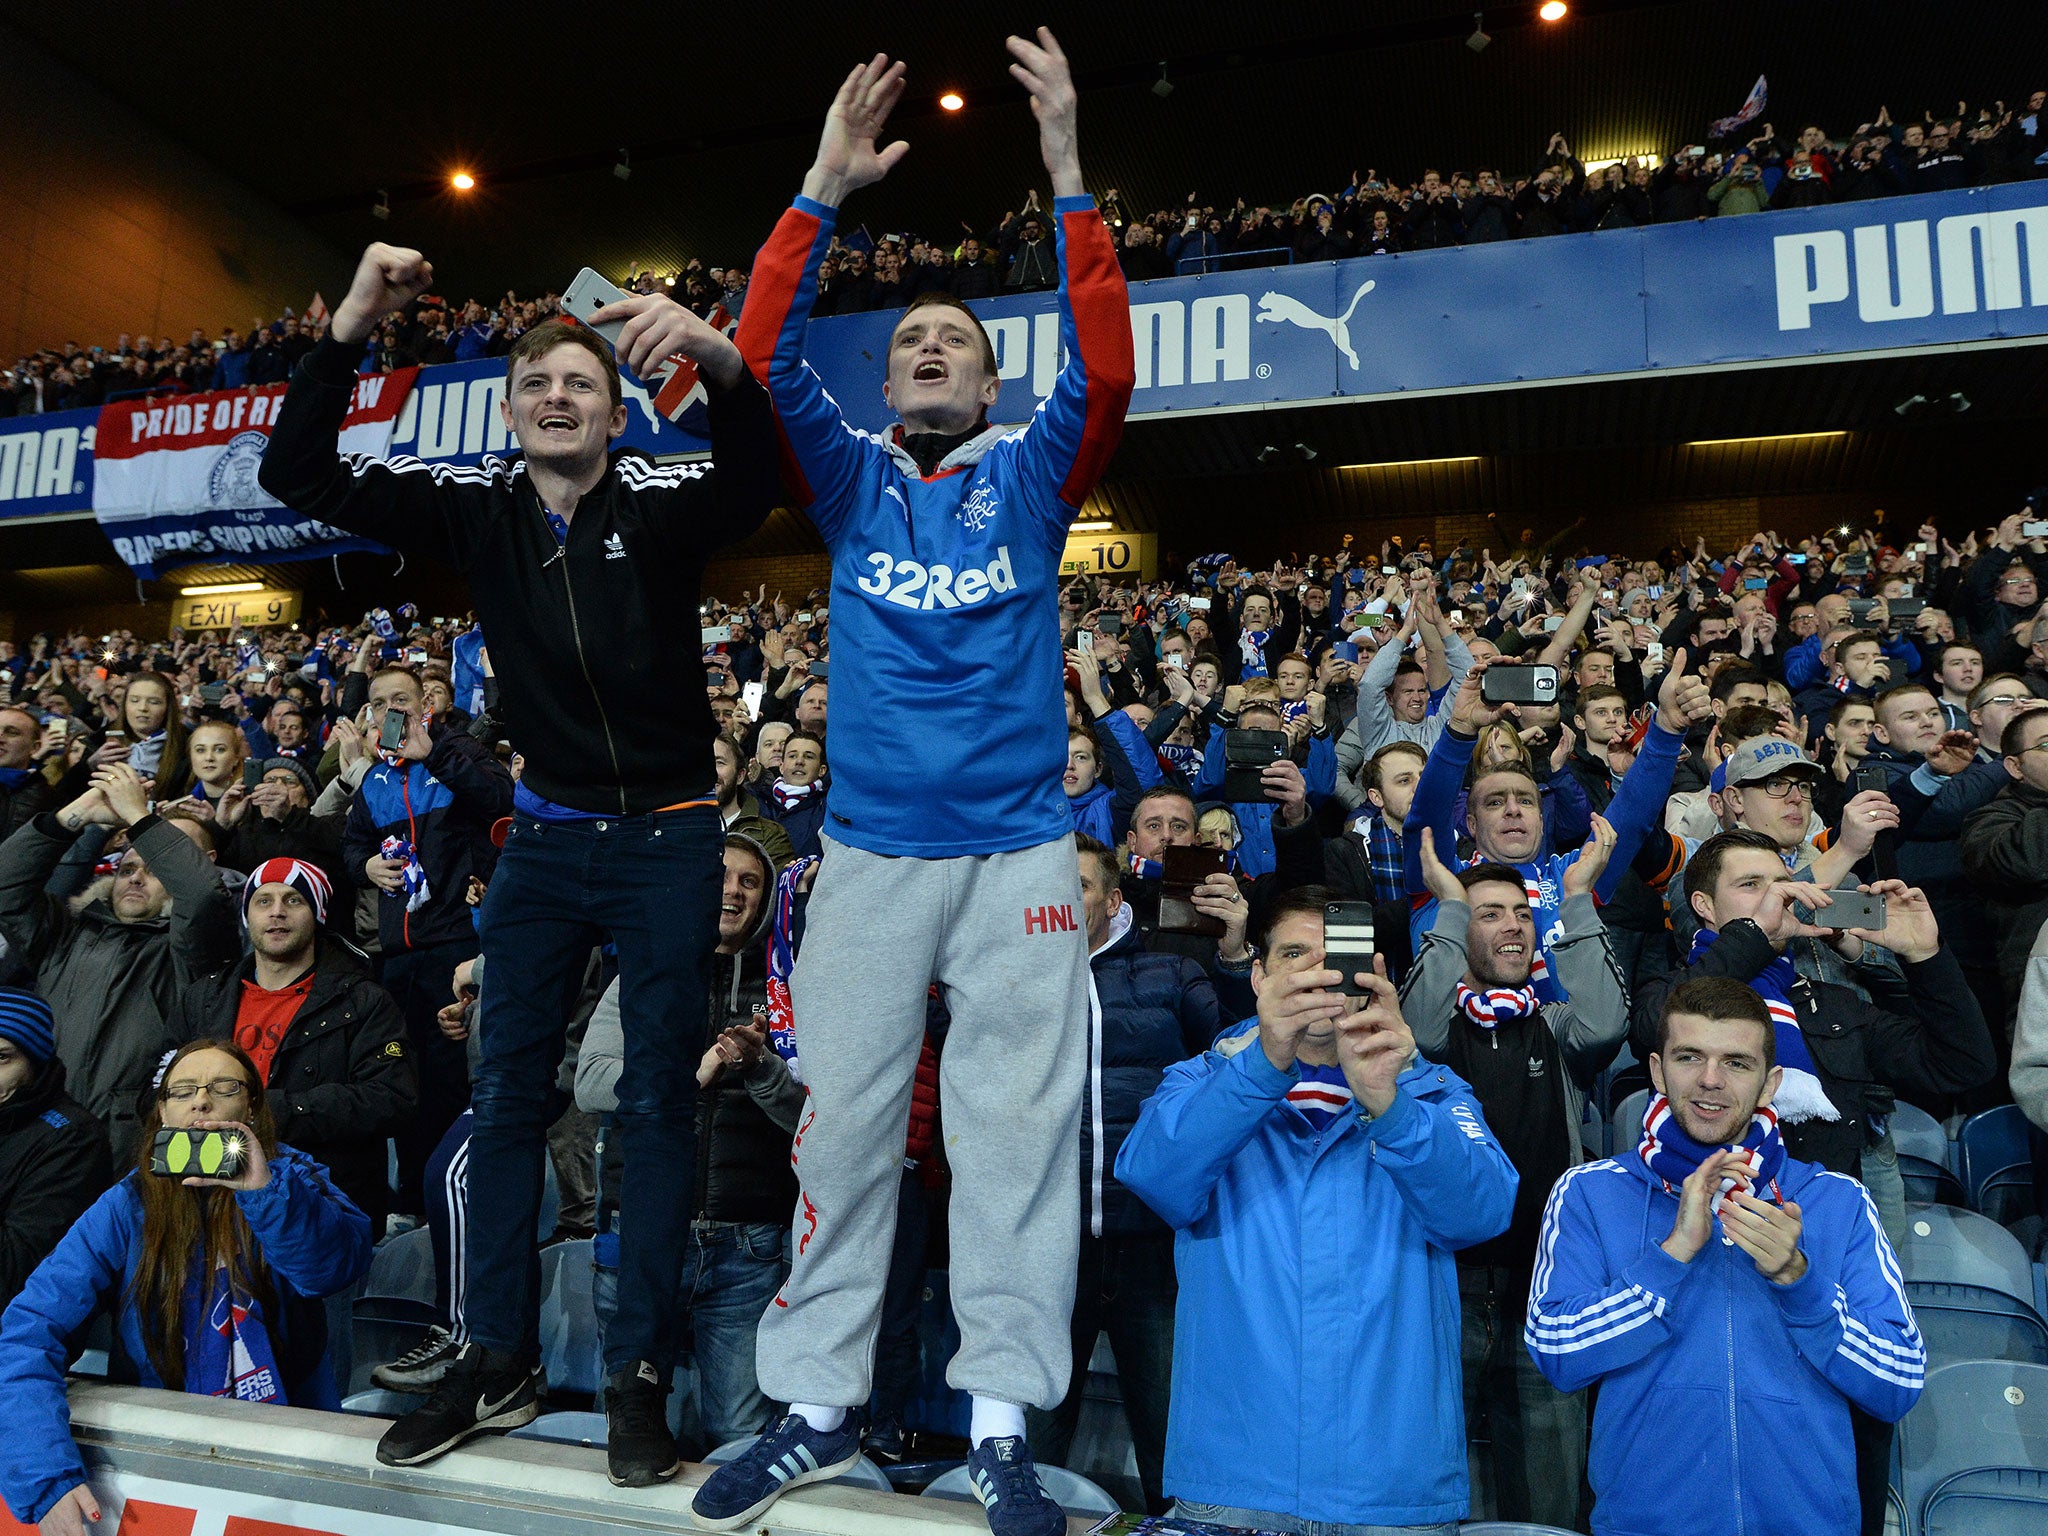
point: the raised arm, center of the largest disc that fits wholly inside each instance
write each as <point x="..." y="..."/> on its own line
<point x="820" y="457"/>
<point x="1070" y="439"/>
<point x="402" y="502"/>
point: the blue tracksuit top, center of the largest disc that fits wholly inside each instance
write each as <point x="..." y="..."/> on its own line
<point x="1724" y="1398"/>
<point x="948" y="726"/>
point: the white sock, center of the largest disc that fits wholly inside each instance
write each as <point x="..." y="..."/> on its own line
<point x="823" y="1420"/>
<point x="993" y="1419"/>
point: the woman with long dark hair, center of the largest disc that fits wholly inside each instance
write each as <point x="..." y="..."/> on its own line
<point x="150" y="739"/>
<point x="214" y="1283"/>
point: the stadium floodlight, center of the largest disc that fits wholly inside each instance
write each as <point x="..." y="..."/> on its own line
<point x="462" y="181"/>
<point x="1478" y="40"/>
<point x="1552" y="10"/>
<point x="381" y="209"/>
<point x="1162" y="87"/>
<point x="952" y="101"/>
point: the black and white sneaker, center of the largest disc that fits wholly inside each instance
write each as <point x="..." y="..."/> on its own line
<point x="421" y="1368"/>
<point x="638" y="1448"/>
<point x="482" y="1393"/>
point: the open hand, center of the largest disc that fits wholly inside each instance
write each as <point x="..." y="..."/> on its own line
<point x="1767" y="1233"/>
<point x="1584" y="872"/>
<point x="1374" y="1043"/>
<point x="847" y="156"/>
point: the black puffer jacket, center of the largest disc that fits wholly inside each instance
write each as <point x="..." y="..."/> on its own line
<point x="342" y="1081"/>
<point x="1927" y="1039"/>
<point x="1156" y="1010"/>
<point x="2005" y="854"/>
<point x="54" y="1162"/>
<point x="587" y="693"/>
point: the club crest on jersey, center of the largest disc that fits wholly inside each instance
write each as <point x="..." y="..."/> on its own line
<point x="979" y="509"/>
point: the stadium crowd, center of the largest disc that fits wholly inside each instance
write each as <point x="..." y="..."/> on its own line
<point x="1410" y="988"/>
<point x="1865" y="712"/>
<point x="1368" y="215"/>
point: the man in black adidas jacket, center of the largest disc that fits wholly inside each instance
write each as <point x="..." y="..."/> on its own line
<point x="576" y="561"/>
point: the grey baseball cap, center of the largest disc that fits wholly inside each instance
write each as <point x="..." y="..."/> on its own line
<point x="1765" y="757"/>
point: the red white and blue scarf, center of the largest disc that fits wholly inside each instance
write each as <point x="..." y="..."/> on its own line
<point x="1490" y="1008"/>
<point x="782" y="961"/>
<point x="1674" y="1156"/>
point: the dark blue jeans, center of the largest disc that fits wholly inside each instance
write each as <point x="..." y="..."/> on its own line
<point x="730" y="1273"/>
<point x="651" y="885"/>
<point x="1127" y="1289"/>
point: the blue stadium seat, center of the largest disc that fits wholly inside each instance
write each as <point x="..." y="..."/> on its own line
<point x="862" y="1474"/>
<point x="1973" y="1453"/>
<point x="1969" y="1322"/>
<point x="1628" y="1120"/>
<point x="403" y="1266"/>
<point x="1930" y="1183"/>
<point x="1958" y="1247"/>
<point x="1070" y="1490"/>
<point x="1993" y="1155"/>
<point x="568" y="1319"/>
<point x="564" y="1429"/>
<point x="1916" y="1133"/>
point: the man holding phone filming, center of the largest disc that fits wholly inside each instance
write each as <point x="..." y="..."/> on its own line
<point x="575" y="560"/>
<point x="1309" y="1160"/>
<point x="949" y="850"/>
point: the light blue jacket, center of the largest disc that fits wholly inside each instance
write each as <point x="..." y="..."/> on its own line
<point x="312" y="1237"/>
<point x="1316" y="1342"/>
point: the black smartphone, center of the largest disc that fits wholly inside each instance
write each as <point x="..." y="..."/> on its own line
<point x="1246" y="755"/>
<point x="820" y="669"/>
<point x="391" y="734"/>
<point x="1873" y="778"/>
<point x="1519" y="685"/>
<point x="211" y="693"/>
<point x="1905" y="608"/>
<point x="1348" y="942"/>
<point x="1851" y="909"/>
<point x="252" y="772"/>
<point x="1859" y="608"/>
<point x="179" y="1154"/>
<point x="1181" y="869"/>
<point x="1110" y="623"/>
<point x="1855" y="565"/>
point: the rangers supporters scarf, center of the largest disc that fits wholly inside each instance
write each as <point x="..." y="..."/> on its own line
<point x="1801" y="1095"/>
<point x="1487" y="1009"/>
<point x="782" y="961"/>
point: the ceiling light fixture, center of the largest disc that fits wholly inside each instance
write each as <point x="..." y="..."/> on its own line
<point x="462" y="181"/>
<point x="1776" y="437"/>
<point x="222" y="590"/>
<point x="624" y="169"/>
<point x="1478" y="40"/>
<point x="952" y="101"/>
<point x="1467" y="458"/>
<point x="1552" y="10"/>
<point x="1096" y="527"/>
<point x="381" y="209"/>
<point x="1162" y="87"/>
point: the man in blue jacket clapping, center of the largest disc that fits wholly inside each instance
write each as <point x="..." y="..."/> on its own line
<point x="1318" y="1176"/>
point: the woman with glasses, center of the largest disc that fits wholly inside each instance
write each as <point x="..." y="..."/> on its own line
<point x="214" y="1283"/>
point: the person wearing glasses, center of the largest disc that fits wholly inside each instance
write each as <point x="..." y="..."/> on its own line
<point x="218" y="1281"/>
<point x="1844" y="1057"/>
<point x="2005" y="848"/>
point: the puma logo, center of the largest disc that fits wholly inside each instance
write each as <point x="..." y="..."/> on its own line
<point x="1276" y="307"/>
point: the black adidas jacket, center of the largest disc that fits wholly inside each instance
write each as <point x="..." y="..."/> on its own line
<point x="609" y="718"/>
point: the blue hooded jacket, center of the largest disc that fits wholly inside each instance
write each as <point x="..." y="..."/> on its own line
<point x="1316" y="1339"/>
<point x="312" y="1236"/>
<point x="1091" y="812"/>
<point x="1255" y="855"/>
<point x="1753" y="1379"/>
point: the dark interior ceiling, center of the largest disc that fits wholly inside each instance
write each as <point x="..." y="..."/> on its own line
<point x="320" y="103"/>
